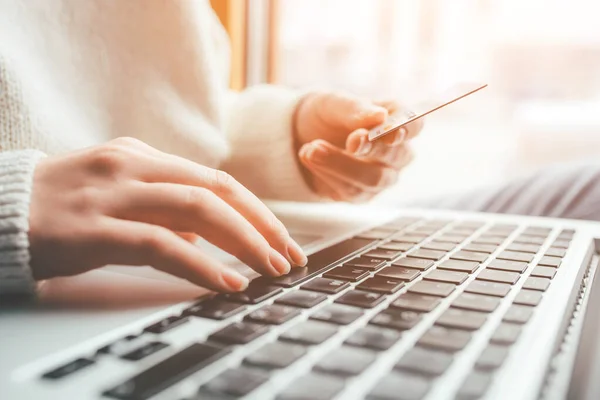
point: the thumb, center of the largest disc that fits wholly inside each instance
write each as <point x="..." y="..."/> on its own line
<point x="351" y="112"/>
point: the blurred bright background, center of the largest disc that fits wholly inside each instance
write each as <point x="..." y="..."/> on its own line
<point x="541" y="59"/>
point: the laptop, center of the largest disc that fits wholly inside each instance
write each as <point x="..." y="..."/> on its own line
<point x="393" y="304"/>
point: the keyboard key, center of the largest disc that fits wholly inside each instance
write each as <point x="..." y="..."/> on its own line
<point x="375" y="234"/>
<point x="424" y="361"/>
<point x="416" y="302"/>
<point x="396" y="319"/>
<point x="488" y="288"/>
<point x="447" y="238"/>
<point x="214" y="309"/>
<point x="309" y="333"/>
<point x="459" y="319"/>
<point x="530" y="240"/>
<point x="166" y="324"/>
<point x="469" y="256"/>
<point x="239" y="333"/>
<point x="535" y="283"/>
<point x="476" y="302"/>
<point x="337" y="314"/>
<point x="398" y="246"/>
<point x="537" y="231"/>
<point x="68" y="369"/>
<point x="301" y="298"/>
<point x="491" y="240"/>
<point x="398" y="273"/>
<point x="471" y="224"/>
<point x="427" y="230"/>
<point x="326" y="285"/>
<point x="273" y="314"/>
<point x="444" y="339"/>
<point x="358" y="298"/>
<point x="492" y="357"/>
<point x="347" y="274"/>
<point x="474" y="386"/>
<point x="168" y="372"/>
<point x="556" y="252"/>
<point x="439" y="289"/>
<point x="321" y="260"/>
<point x="503" y="228"/>
<point x="498" y="276"/>
<point x="528" y="297"/>
<point x="345" y="361"/>
<point x="416" y="263"/>
<point x="518" y="314"/>
<point x="506" y="334"/>
<point x="481" y="248"/>
<point x="276" y="355"/>
<point x="561" y="244"/>
<point x="371" y="264"/>
<point x="428" y="254"/>
<point x="236" y="382"/>
<point x="507" y="265"/>
<point x="312" y="386"/>
<point x="458" y="265"/>
<point x="383" y="254"/>
<point x="447" y="276"/>
<point x="256" y="292"/>
<point x="524" y="248"/>
<point x="543" y="272"/>
<point x="144" y="351"/>
<point x="409" y="238"/>
<point x="381" y="285"/>
<point x="515" y="256"/>
<point x="440" y="246"/>
<point x="550" y="261"/>
<point x="374" y="337"/>
<point x="400" y="386"/>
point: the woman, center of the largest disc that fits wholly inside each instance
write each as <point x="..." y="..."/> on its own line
<point x="129" y="101"/>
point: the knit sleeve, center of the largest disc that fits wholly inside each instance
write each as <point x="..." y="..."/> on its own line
<point x="263" y="155"/>
<point x="16" y="175"/>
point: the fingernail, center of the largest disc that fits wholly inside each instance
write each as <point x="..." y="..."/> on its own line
<point x="235" y="281"/>
<point x="402" y="132"/>
<point x="278" y="262"/>
<point x="296" y="254"/>
<point x="364" y="147"/>
<point x="316" y="154"/>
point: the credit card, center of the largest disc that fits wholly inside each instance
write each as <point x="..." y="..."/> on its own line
<point x="402" y="117"/>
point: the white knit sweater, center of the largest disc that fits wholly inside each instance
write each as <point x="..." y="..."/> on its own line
<point x="77" y="73"/>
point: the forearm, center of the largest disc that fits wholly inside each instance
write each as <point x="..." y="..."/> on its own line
<point x="263" y="152"/>
<point x="16" y="177"/>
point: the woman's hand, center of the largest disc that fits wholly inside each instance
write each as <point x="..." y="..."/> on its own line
<point x="340" y="162"/>
<point x="127" y="203"/>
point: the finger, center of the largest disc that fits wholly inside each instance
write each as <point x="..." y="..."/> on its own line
<point x="349" y="112"/>
<point x="188" y="236"/>
<point x="392" y="106"/>
<point x="345" y="191"/>
<point x="198" y="210"/>
<point x="397" y="156"/>
<point x="173" y="169"/>
<point x="135" y="243"/>
<point x="366" y="175"/>
<point x="359" y="144"/>
<point x="322" y="183"/>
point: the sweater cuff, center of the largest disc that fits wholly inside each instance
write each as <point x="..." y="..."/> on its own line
<point x="16" y="178"/>
<point x="263" y="157"/>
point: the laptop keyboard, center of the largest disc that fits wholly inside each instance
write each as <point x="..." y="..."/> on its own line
<point x="364" y="293"/>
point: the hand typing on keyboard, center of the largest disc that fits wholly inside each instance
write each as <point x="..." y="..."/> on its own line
<point x="339" y="161"/>
<point x="127" y="203"/>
